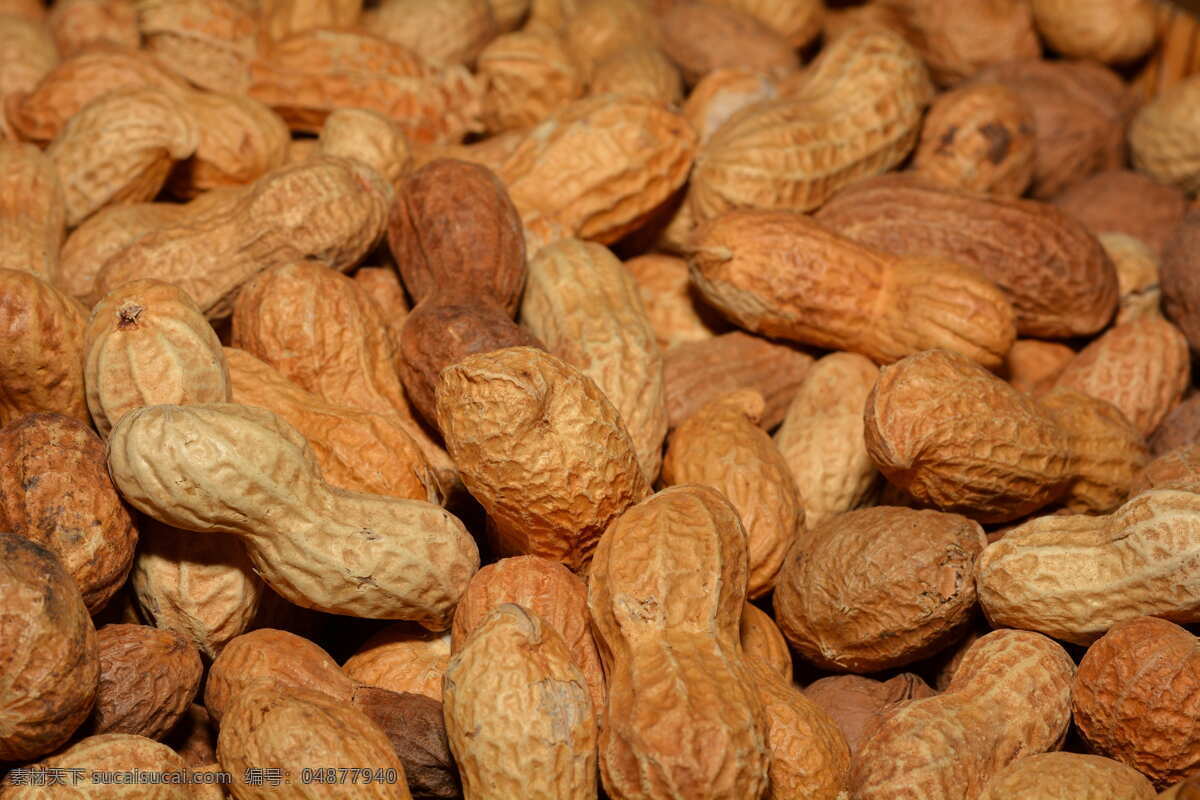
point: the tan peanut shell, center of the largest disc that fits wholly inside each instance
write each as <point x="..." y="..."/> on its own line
<point x="41" y="361"/>
<point x="855" y="112"/>
<point x="702" y="37"/>
<point x="98" y="760"/>
<point x="411" y="559"/>
<point x="675" y="311"/>
<point x="1137" y="275"/>
<point x="723" y="447"/>
<point x="29" y="53"/>
<point x="549" y="591"/>
<point x="49" y="656"/>
<point x="297" y="729"/>
<point x="1058" y="277"/>
<point x="821" y="438"/>
<point x="953" y="435"/>
<point x="239" y="140"/>
<point x="518" y="715"/>
<point x="1137" y="560"/>
<point x="55" y="491"/>
<point x="310" y="74"/>
<point x="279" y="18"/>
<point x="541" y="448"/>
<point x="762" y="639"/>
<point x="1009" y="697"/>
<point x="529" y="74"/>
<point x="697" y="373"/>
<point x="666" y="591"/>
<point x="1112" y="31"/>
<point x="648" y="152"/>
<point x="879" y="588"/>
<point x="200" y="585"/>
<point x="1032" y="364"/>
<point x="779" y="273"/>
<point x="282" y="659"/>
<point x="978" y="138"/>
<point x="1180" y="428"/>
<point x="1068" y="776"/>
<point x="358" y="450"/>
<point x="448" y="32"/>
<point x="80" y="24"/>
<point x="329" y="218"/>
<point x="1107" y="451"/>
<point x="798" y="22"/>
<point x="119" y="149"/>
<point x="1133" y="686"/>
<point x="403" y="658"/>
<point x="369" y="137"/>
<point x="32" y="210"/>
<point x="584" y="306"/>
<point x="1142" y="367"/>
<point x="384" y="287"/>
<point x="1180" y="289"/>
<point x="1174" y="469"/>
<point x="722" y="93"/>
<point x="595" y="29"/>
<point x="148" y="678"/>
<point x="209" y="42"/>
<point x="147" y="343"/>
<point x="1163" y="140"/>
<point x="641" y="71"/>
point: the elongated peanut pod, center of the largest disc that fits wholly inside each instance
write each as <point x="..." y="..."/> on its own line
<point x="241" y="470"/>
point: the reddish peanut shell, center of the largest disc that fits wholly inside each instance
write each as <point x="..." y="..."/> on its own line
<point x="281" y="659"/>
<point x="722" y="446"/>
<point x="416" y="727"/>
<point x="857" y="704"/>
<point x="702" y="37"/>
<point x="56" y="491"/>
<point x="402" y="658"/>
<point x="301" y="729"/>
<point x="1180" y="289"/>
<point x="1010" y="697"/>
<point x="1032" y="364"/>
<point x="1142" y="367"/>
<point x="762" y="639"/>
<point x="41" y="361"/>
<point x="1125" y="201"/>
<point x="49" y="656"/>
<point x="879" y="588"/>
<point x="148" y="678"/>
<point x="672" y="305"/>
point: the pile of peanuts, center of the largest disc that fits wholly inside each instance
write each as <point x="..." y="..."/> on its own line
<point x="577" y="399"/>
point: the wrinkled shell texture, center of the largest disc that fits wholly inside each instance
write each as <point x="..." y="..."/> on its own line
<point x="821" y="438"/>
<point x="879" y="588"/>
<point x="1128" y="202"/>
<point x="49" y="661"/>
<point x="672" y="305"/>
<point x="1058" y="277"/>
<point x="32" y="210"/>
<point x="666" y="591"/>
<point x="701" y="37"/>
<point x="541" y="448"/>
<point x="857" y="112"/>
<point x="722" y="446"/>
<point x="1135" y="695"/>
<point x="1180" y="288"/>
<point x="585" y="307"/>
<point x="282" y="659"/>
<point x="294" y="729"/>
<point x="403" y="659"/>
<point x="762" y="639"/>
<point x="781" y="274"/>
<point x="55" y="490"/>
<point x="148" y="343"/>
<point x="1009" y="697"/>
<point x="857" y="704"/>
<point x="518" y="715"/>
<point x="547" y="590"/>
<point x="148" y="678"/>
<point x="1114" y="31"/>
<point x="41" y="356"/>
<point x="1164" y="140"/>
<point x="529" y="75"/>
<point x="412" y="559"/>
<point x="1068" y="776"/>
<point x="108" y="753"/>
<point x="953" y="435"/>
<point x="1139" y="562"/>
